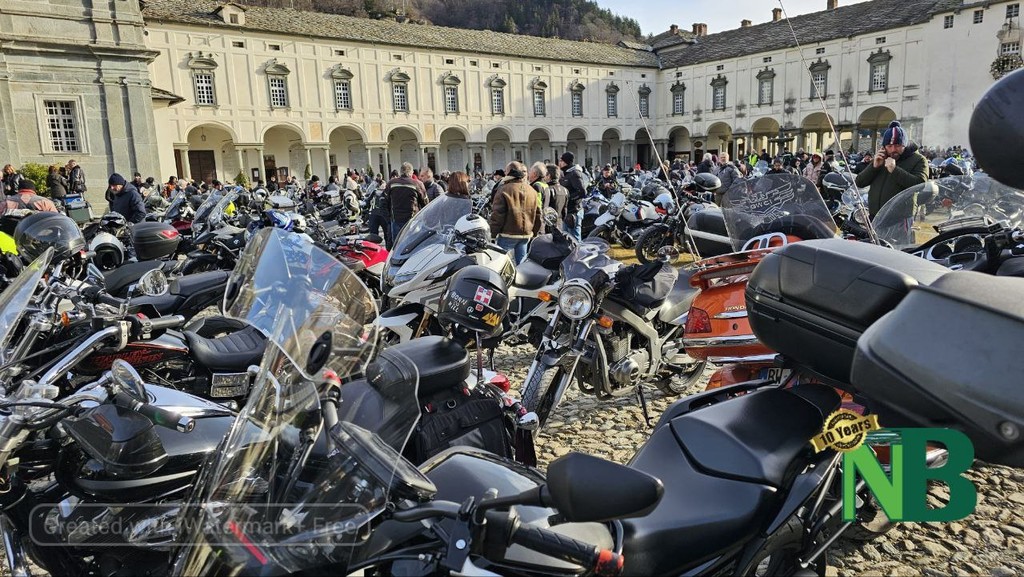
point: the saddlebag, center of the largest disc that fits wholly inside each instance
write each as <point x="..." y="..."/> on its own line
<point x="457" y="418"/>
<point x="154" y="240"/>
<point x="546" y="252"/>
<point x="812" y="300"/>
<point x="949" y="356"/>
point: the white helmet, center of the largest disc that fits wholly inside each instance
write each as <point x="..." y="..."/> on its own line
<point x="665" y="202"/>
<point x="298" y="222"/>
<point x="474" y="226"/>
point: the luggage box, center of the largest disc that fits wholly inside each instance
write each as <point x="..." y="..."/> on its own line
<point x="949" y="356"/>
<point x="78" y="210"/>
<point x="812" y="300"/>
<point x="154" y="240"/>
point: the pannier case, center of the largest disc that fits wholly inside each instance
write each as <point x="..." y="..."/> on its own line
<point x="949" y="356"/>
<point x="154" y="240"/>
<point x="811" y="300"/>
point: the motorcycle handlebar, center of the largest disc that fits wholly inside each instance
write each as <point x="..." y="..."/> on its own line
<point x="158" y="415"/>
<point x="168" y="322"/>
<point x="599" y="561"/>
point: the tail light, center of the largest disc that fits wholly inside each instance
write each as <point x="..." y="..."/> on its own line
<point x="501" y="381"/>
<point x="697" y="321"/>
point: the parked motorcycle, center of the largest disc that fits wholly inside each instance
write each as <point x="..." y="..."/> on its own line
<point x="614" y="331"/>
<point x="693" y="225"/>
<point x="624" y="219"/>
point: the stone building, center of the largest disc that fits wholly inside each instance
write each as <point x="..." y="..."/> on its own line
<point x="75" y="84"/>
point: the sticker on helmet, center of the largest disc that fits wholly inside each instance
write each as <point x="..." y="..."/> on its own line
<point x="491" y="319"/>
<point x="483" y="295"/>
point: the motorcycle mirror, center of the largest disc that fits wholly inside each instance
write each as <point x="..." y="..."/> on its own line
<point x="153" y="283"/>
<point x="127" y="379"/>
<point x="622" y="492"/>
<point x="996" y="131"/>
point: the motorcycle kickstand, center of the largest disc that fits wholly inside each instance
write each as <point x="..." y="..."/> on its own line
<point x="643" y="404"/>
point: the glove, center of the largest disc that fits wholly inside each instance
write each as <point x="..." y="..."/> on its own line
<point x="570" y="220"/>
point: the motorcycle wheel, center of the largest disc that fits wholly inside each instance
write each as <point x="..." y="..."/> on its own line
<point x="534" y="393"/>
<point x="650" y="242"/>
<point x="780" y="554"/>
<point x="599" y="232"/>
<point x="677" y="384"/>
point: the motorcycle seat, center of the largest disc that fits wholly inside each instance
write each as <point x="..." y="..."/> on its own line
<point x="756" y="437"/>
<point x="710" y="220"/>
<point x="442" y="363"/>
<point x="191" y="284"/>
<point x="530" y="275"/>
<point x="117" y="281"/>
<point x="679" y="298"/>
<point x="232" y="353"/>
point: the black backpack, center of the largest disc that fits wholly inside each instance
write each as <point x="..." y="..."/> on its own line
<point x="451" y="418"/>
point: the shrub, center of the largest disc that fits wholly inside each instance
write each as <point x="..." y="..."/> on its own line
<point x="37" y="174"/>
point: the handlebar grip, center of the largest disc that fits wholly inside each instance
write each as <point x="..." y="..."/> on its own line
<point x="159" y="415"/>
<point x="108" y="299"/>
<point x="169" y="322"/>
<point x="600" y="561"/>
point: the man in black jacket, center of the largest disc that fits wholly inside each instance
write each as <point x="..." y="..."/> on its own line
<point x="126" y="199"/>
<point x="404" y="196"/>
<point x="572" y="180"/>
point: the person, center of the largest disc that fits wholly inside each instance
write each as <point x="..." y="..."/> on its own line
<point x="432" y="187"/>
<point x="272" y="184"/>
<point x="26" y="197"/>
<point x="537" y="176"/>
<point x="57" y="184"/>
<point x="190" y="188"/>
<point x="812" y="171"/>
<point x="458" y="185"/>
<point x="403" y="198"/>
<point x="171" y="187"/>
<point x="351" y="183"/>
<point x="11" y="179"/>
<point x="895" y="167"/>
<point x="777" y="167"/>
<point x="515" y="214"/>
<point x="559" y="194"/>
<point x="572" y="180"/>
<point x="139" y="184"/>
<point x="765" y="156"/>
<point x="76" y="176"/>
<point x="706" y="164"/>
<point x="607" y="183"/>
<point x="377" y="219"/>
<point x="728" y="174"/>
<point x="125" y="199"/>
<point x="332" y="184"/>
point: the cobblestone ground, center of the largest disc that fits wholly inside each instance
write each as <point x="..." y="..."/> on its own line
<point x="989" y="542"/>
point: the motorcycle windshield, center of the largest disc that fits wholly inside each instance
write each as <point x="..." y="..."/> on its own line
<point x="173" y="211"/>
<point x="783" y="203"/>
<point x="589" y="255"/>
<point x="426" y="226"/>
<point x="14" y="300"/>
<point x="946" y="203"/>
<point x="216" y="216"/>
<point x="282" y="494"/>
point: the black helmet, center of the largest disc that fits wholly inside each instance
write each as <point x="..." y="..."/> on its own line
<point x="42" y="230"/>
<point x="476" y="299"/>
<point x="707" y="182"/>
<point x="836" y="182"/>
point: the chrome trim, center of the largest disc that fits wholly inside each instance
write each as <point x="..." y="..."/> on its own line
<point x="721" y="341"/>
<point x="750" y="359"/>
<point x="731" y="315"/>
<point x="15" y="553"/>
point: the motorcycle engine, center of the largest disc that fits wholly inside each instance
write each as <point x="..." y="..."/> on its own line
<point x="625" y="365"/>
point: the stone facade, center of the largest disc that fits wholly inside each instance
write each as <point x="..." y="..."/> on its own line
<point x="74" y="84"/>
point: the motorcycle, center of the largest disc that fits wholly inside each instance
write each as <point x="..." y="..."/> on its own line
<point x="624" y="219"/>
<point x="216" y="242"/>
<point x="614" y="331"/>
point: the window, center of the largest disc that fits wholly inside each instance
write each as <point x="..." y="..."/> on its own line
<point x="274" y="47"/>
<point x="61" y="125"/>
<point x="538" y="102"/>
<point x="204" y="88"/>
<point x="497" y="96"/>
<point x="203" y="67"/>
<point x="495" y="65"/>
<point x="1013" y="11"/>
<point x="449" y="61"/>
<point x="236" y="44"/>
<point x="678" y="91"/>
<point x="400" y="97"/>
<point x="472" y="63"/>
<point x="880" y="40"/>
<point x="575" y="70"/>
<point x="819" y="50"/>
<point x="764" y="91"/>
<point x="278" y="92"/>
<point x="679" y="74"/>
<point x="718" y="93"/>
<point x="451" y="99"/>
<point x="819" y="78"/>
<point x="233" y="18"/>
<point x="720" y="67"/>
<point x="947" y="22"/>
<point x="879" y="79"/>
<point x="612" y="99"/>
<point x="577" y="99"/>
<point x="979" y="16"/>
<point x="342" y="95"/>
<point x="339" y="52"/>
<point x="396" y="57"/>
<point x="644" y="101"/>
<point x="538" y="68"/>
<point x="766" y="59"/>
<point x="1009" y="48"/>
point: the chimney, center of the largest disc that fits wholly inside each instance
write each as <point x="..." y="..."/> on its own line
<point x="696" y="29"/>
<point x="744" y="23"/>
<point x="673" y="29"/>
<point x="703" y="30"/>
<point x="776" y="14"/>
<point x="833" y="4"/>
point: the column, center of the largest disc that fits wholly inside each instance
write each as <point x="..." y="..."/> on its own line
<point x="259" y="164"/>
<point x="436" y="150"/>
<point x="855" y="142"/>
<point x="309" y="162"/>
<point x="327" y="162"/>
<point x="557" y="148"/>
<point x="185" y="166"/>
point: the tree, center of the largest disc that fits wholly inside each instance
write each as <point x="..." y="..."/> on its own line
<point x="37" y="174"/>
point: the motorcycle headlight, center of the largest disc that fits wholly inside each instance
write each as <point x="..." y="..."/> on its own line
<point x="576" y="301"/>
<point x="403" y="278"/>
<point x="614" y="209"/>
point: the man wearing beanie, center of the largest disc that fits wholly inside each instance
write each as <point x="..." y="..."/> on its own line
<point x="572" y="180"/>
<point x="897" y="166"/>
<point x="125" y="199"/>
<point x="26" y="197"/>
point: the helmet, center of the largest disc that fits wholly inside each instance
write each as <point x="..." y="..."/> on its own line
<point x="651" y="190"/>
<point x="836" y="182"/>
<point x="277" y="219"/>
<point x="706" y="182"/>
<point x="476" y="299"/>
<point x="114" y="220"/>
<point x="42" y="230"/>
<point x="950" y="167"/>
<point x="298" y="222"/>
<point x="474" y="226"/>
<point x="665" y="202"/>
<point x="109" y="252"/>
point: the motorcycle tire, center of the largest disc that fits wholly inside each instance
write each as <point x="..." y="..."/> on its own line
<point x="681" y="383"/>
<point x="650" y="242"/>
<point x="599" y="232"/>
<point x="780" y="554"/>
<point x="535" y="391"/>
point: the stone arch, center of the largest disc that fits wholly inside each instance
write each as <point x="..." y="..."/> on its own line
<point x="539" y="145"/>
<point x="816" y="130"/>
<point x="404" y="146"/>
<point x="719" y="139"/>
<point x="764" y="130"/>
<point x="211" y="153"/>
<point x="679" y="144"/>
<point x="499" y="148"/>
<point x="873" y="123"/>
<point x="611" y="147"/>
<point x="284" y="151"/>
<point x="453" y="148"/>
<point x="347" y="148"/>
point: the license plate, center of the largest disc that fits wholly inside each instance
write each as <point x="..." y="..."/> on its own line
<point x="772" y="374"/>
<point x="228" y="385"/>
